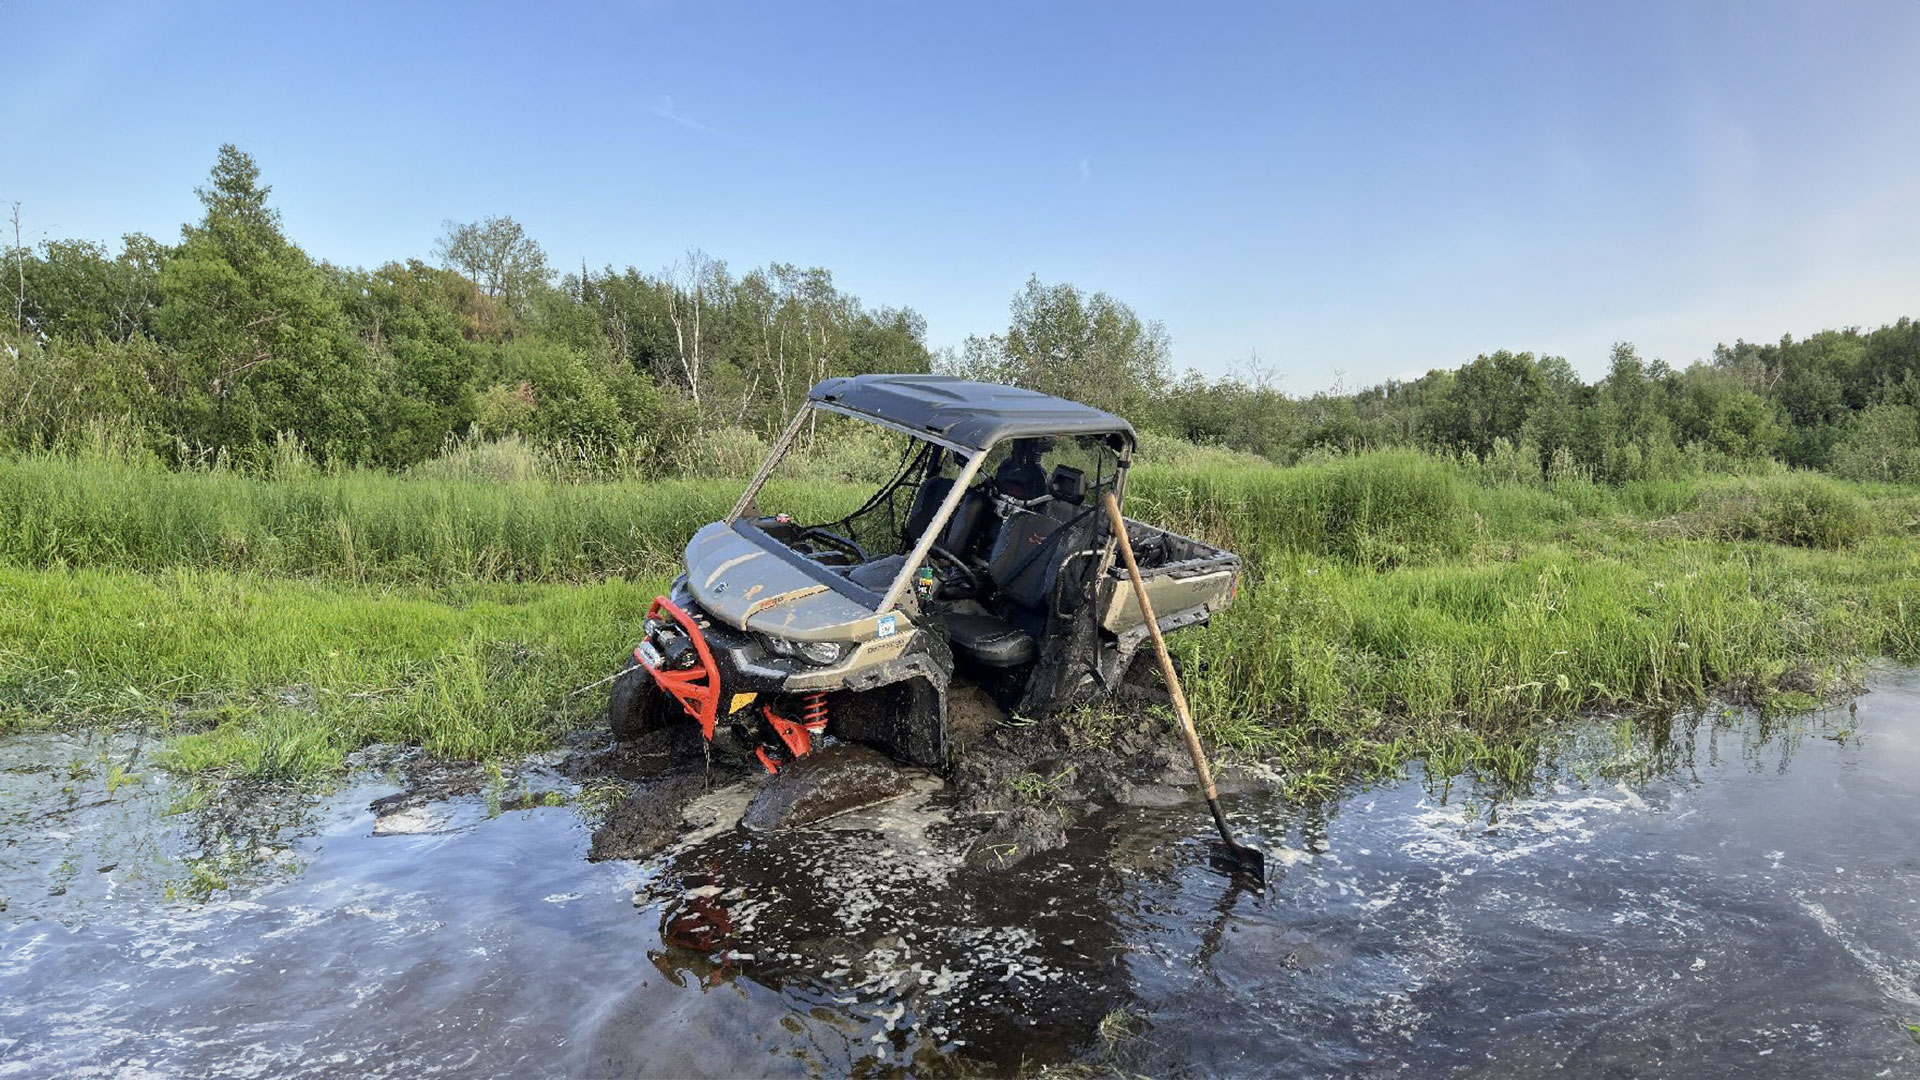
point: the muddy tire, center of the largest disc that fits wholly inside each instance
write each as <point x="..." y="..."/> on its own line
<point x="905" y="720"/>
<point x="636" y="706"/>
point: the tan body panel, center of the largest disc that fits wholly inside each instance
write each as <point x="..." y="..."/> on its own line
<point x="1199" y="575"/>
<point x="744" y="585"/>
<point x="1119" y="613"/>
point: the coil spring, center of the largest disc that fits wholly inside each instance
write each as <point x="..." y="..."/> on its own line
<point x="813" y="710"/>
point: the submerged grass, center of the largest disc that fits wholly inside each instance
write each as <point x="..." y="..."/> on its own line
<point x="1323" y="667"/>
<point x="1396" y="606"/>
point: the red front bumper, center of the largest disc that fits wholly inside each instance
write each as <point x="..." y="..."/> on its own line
<point x="696" y="688"/>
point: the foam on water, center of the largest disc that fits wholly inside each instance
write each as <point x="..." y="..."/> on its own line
<point x="1733" y="898"/>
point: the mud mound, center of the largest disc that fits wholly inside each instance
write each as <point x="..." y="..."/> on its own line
<point x="670" y="751"/>
<point x="428" y="783"/>
<point x="647" y="820"/>
<point x="1016" y="788"/>
<point x="822" y="784"/>
<point x="1032" y="782"/>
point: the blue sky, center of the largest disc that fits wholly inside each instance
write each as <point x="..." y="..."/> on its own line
<point x="1351" y="191"/>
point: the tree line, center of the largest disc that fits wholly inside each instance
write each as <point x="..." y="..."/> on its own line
<point x="233" y="340"/>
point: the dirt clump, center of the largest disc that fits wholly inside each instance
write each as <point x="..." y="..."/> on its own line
<point x="648" y="819"/>
<point x="825" y="783"/>
<point x="971" y="715"/>
<point x="428" y="782"/>
<point x="1032" y="781"/>
<point x="667" y="751"/>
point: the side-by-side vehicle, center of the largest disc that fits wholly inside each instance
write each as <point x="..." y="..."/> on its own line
<point x="986" y="556"/>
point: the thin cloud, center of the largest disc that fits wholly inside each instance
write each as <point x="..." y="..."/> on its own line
<point x="1086" y="170"/>
<point x="664" y="108"/>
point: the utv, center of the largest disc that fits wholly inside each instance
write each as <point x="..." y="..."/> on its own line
<point x="986" y="556"/>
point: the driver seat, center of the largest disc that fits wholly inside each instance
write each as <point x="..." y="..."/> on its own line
<point x="960" y="527"/>
<point x="989" y="641"/>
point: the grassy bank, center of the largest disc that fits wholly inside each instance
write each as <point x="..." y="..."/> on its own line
<point x="285" y="677"/>
<point x="1466" y="658"/>
<point x="1397" y="605"/>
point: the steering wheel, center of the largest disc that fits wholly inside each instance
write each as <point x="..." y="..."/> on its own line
<point x="844" y="543"/>
<point x="970" y="578"/>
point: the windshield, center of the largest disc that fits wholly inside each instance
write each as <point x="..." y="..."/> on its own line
<point x="845" y="495"/>
<point x="853" y="499"/>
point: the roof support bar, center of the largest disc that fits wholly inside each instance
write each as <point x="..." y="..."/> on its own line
<point x="766" y="467"/>
<point x="933" y="529"/>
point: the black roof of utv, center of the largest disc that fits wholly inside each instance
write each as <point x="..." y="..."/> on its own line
<point x="974" y="415"/>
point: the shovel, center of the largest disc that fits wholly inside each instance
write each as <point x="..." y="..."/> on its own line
<point x="1236" y="858"/>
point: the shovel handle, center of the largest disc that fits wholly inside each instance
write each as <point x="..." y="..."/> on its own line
<point x="1160" y="650"/>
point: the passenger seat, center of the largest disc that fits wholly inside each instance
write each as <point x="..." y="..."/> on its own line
<point x="989" y="640"/>
<point x="1022" y="568"/>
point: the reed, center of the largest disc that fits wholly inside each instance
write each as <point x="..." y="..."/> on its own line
<point x="1396" y="605"/>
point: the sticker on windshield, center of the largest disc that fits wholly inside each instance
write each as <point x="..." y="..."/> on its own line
<point x="886" y="626"/>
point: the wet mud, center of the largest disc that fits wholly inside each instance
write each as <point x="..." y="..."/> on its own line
<point x="1013" y="793"/>
<point x="1717" y="894"/>
<point x="830" y="781"/>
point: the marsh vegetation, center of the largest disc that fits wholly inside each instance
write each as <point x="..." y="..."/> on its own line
<point x="1397" y="604"/>
<point x="278" y="509"/>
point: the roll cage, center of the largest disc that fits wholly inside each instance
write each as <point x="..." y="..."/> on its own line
<point x="971" y="438"/>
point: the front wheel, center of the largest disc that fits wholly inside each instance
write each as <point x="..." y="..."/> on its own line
<point x="637" y="705"/>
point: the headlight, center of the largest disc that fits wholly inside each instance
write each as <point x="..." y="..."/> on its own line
<point x="821" y="652"/>
<point x="813" y="652"/>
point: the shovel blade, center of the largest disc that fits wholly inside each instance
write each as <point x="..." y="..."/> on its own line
<point x="1239" y="861"/>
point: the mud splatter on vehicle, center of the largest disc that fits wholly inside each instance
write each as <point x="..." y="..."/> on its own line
<point x="984" y="555"/>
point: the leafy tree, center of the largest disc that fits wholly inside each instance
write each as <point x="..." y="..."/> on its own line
<point x="1554" y="422"/>
<point x="409" y="319"/>
<point x="1890" y="367"/>
<point x="1712" y="408"/>
<point x="266" y="345"/>
<point x="1062" y="341"/>
<point x="1487" y="400"/>
<point x="74" y="288"/>
<point x="498" y="256"/>
<point x="1244" y="410"/>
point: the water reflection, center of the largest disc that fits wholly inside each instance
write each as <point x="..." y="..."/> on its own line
<point x="1711" y="893"/>
<point x="929" y="963"/>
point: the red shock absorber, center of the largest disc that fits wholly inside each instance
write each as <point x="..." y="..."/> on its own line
<point x="796" y="735"/>
<point x="813" y="712"/>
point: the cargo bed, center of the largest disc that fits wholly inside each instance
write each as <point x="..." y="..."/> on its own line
<point x="1187" y="581"/>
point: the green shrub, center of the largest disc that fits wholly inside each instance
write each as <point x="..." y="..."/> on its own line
<point x="727" y="451"/>
<point x="1170" y="451"/>
<point x="1883" y="443"/>
<point x="847" y="452"/>
<point x="505" y="460"/>
<point x="1801" y="509"/>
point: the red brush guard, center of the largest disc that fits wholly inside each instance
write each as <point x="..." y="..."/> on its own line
<point x="697" y="688"/>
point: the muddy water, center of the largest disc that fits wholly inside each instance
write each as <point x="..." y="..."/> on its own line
<point x="1712" y="897"/>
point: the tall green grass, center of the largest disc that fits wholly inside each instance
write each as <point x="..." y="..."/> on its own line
<point x="364" y="525"/>
<point x="285" y="677"/>
<point x="1395" y="604"/>
<point x="1376" y="510"/>
<point x="1321" y="654"/>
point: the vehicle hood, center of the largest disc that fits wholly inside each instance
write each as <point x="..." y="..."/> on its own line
<point x="742" y="584"/>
